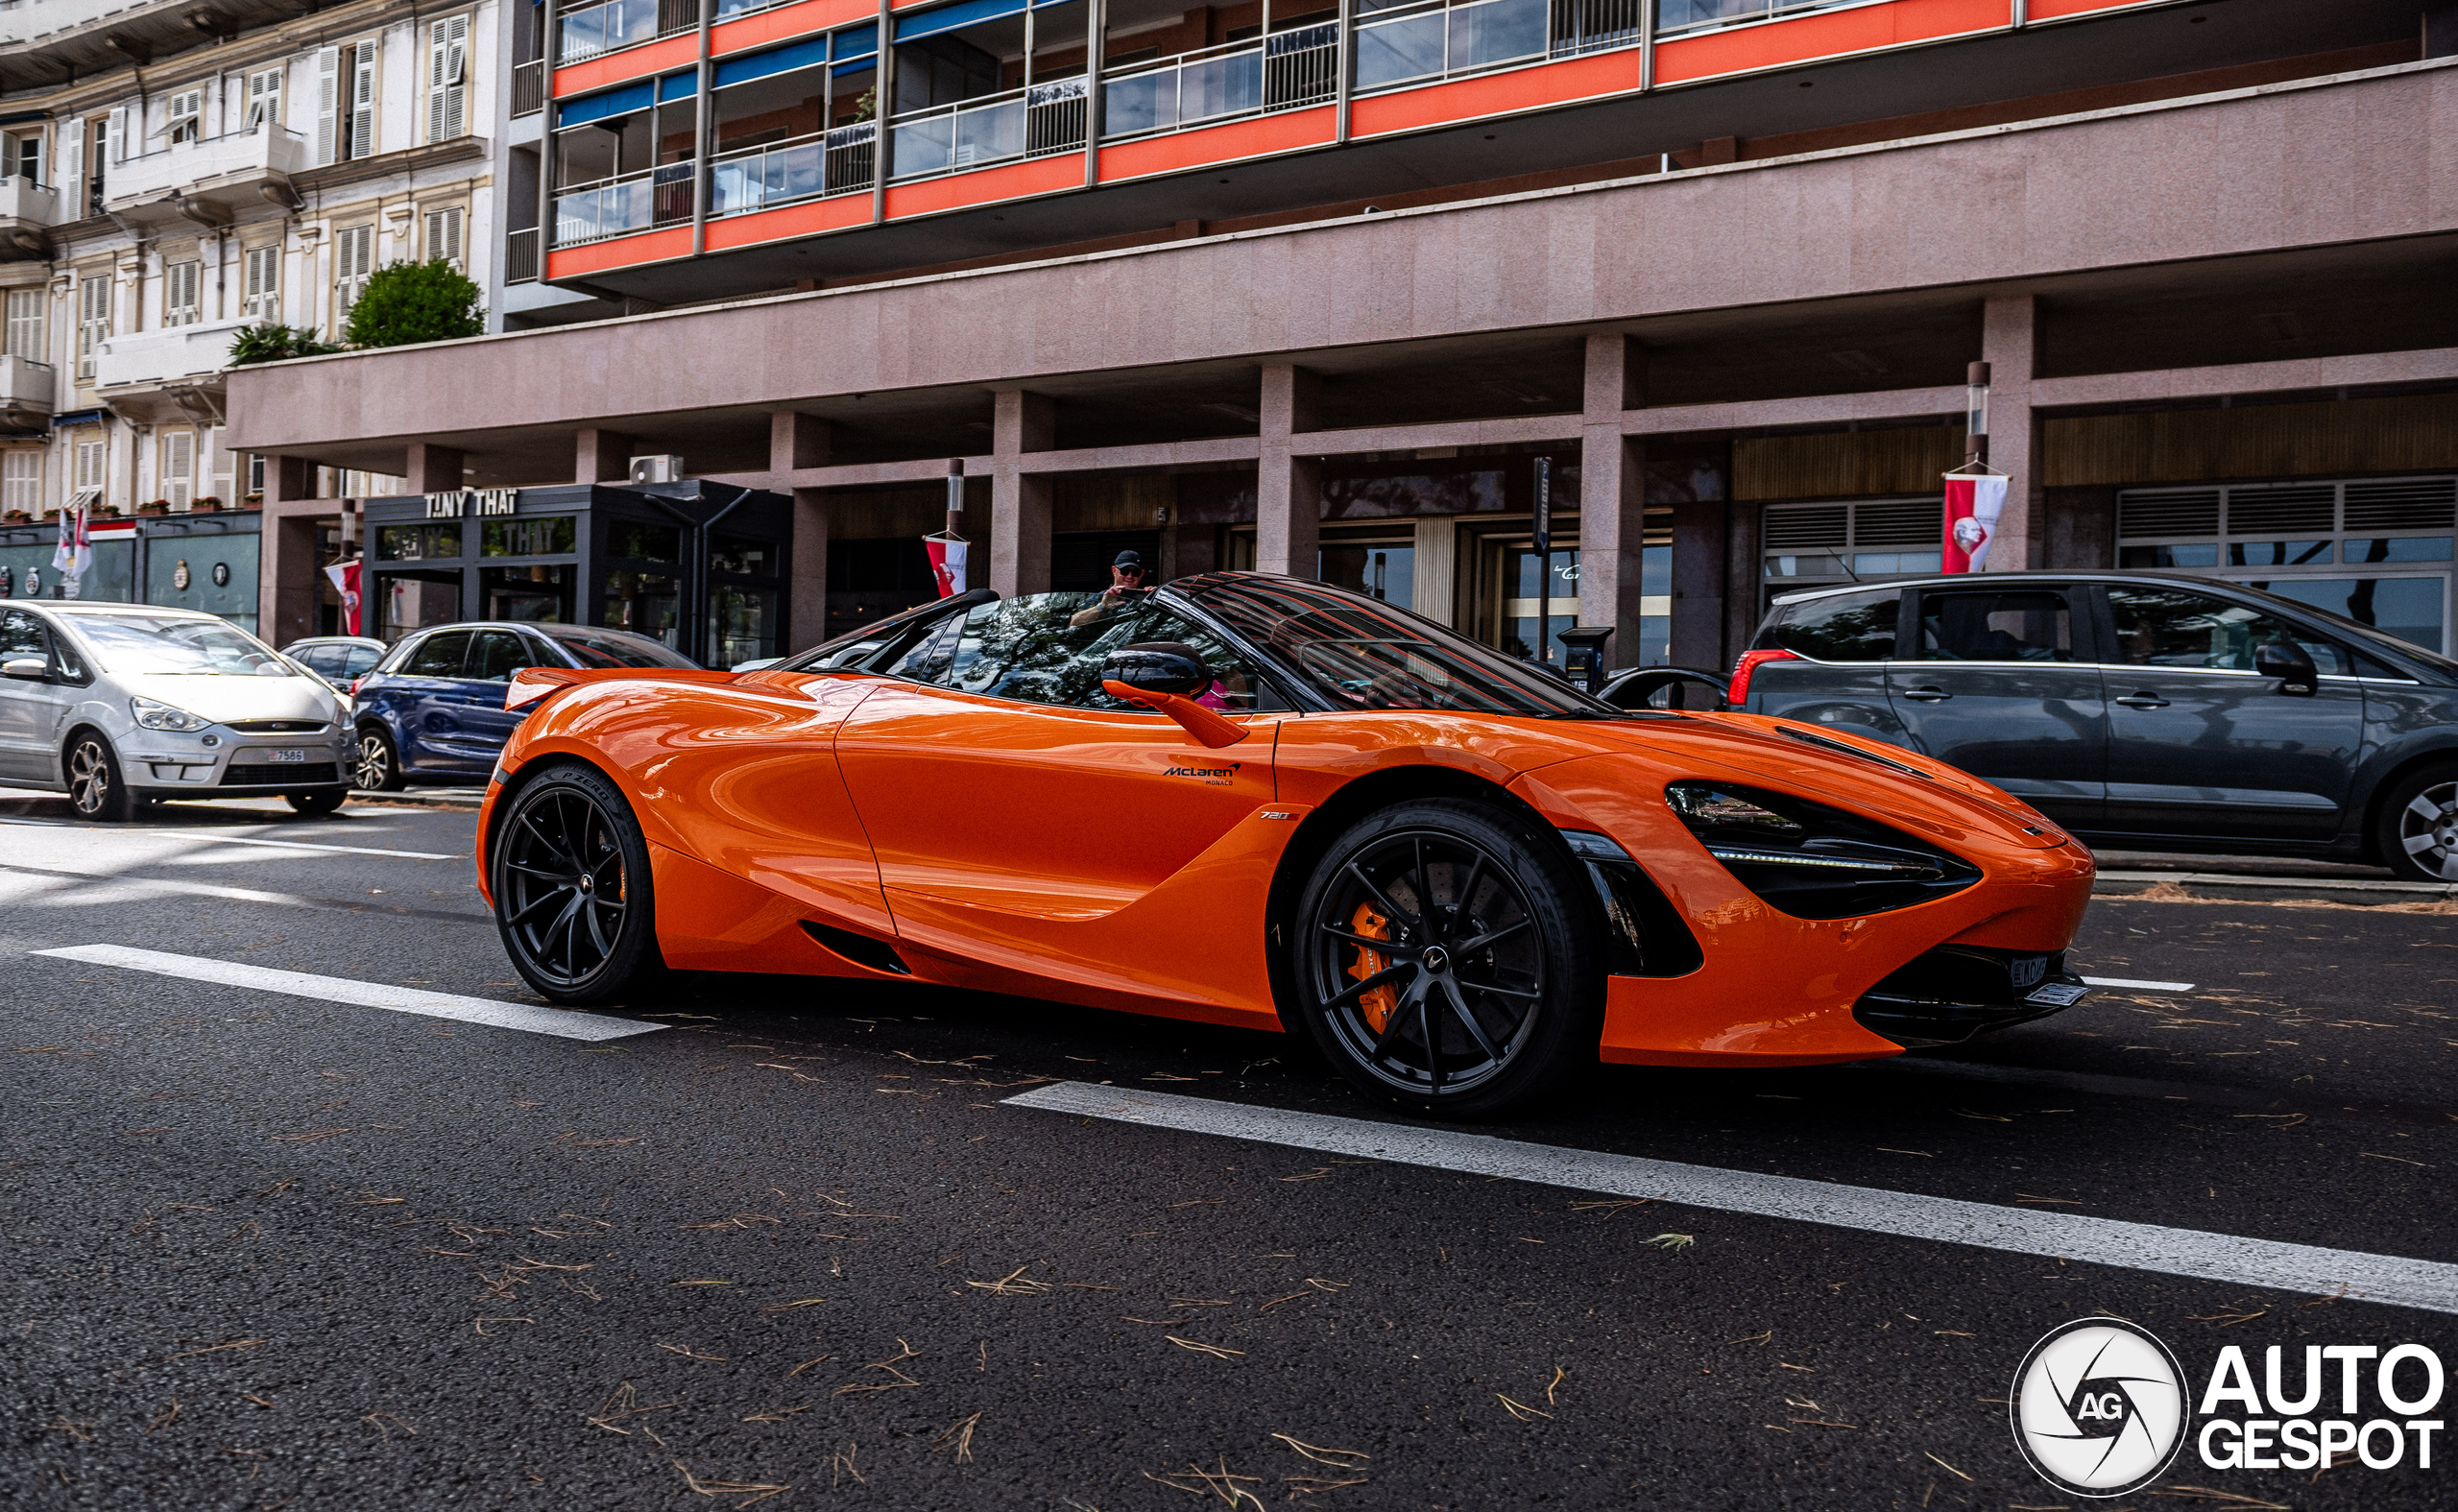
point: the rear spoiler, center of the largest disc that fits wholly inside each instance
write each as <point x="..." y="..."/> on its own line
<point x="530" y="684"/>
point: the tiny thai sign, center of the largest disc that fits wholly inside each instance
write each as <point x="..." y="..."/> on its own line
<point x="454" y="503"/>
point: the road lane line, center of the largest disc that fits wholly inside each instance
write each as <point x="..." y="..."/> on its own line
<point x="98" y="891"/>
<point x="2147" y="986"/>
<point x="561" y="1022"/>
<point x="2431" y="1285"/>
<point x="219" y="838"/>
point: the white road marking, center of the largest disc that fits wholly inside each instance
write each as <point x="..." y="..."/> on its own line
<point x="2431" y="1285"/>
<point x="220" y="838"/>
<point x="2146" y="986"/>
<point x="558" y="1022"/>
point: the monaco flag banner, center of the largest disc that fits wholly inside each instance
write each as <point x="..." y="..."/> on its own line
<point x="946" y="563"/>
<point x="1972" y="507"/>
<point x="345" y="576"/>
<point x="75" y="553"/>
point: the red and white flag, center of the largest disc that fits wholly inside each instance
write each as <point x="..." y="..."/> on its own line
<point x="345" y="576"/>
<point x="946" y="563"/>
<point x="75" y="553"/>
<point x="1972" y="507"/>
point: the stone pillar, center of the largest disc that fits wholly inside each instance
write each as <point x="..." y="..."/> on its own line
<point x="286" y="565"/>
<point x="601" y="456"/>
<point x="1289" y="489"/>
<point x="433" y="468"/>
<point x="1702" y="548"/>
<point x="2007" y="345"/>
<point x="1020" y="423"/>
<point x="1612" y="500"/>
<point x="802" y="441"/>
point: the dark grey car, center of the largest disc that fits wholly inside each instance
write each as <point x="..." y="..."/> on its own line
<point x="2148" y="712"/>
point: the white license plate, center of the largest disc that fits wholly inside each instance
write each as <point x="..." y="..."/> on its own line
<point x="292" y="754"/>
<point x="2061" y="995"/>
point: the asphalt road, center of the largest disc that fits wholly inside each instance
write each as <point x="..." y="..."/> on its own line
<point x="267" y="1250"/>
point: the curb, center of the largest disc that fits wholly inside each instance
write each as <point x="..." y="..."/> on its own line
<point x="445" y="798"/>
<point x="2275" y="889"/>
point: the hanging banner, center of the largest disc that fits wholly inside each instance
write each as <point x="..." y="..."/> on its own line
<point x="1972" y="507"/>
<point x="345" y="576"/>
<point x="947" y="564"/>
<point x="75" y="552"/>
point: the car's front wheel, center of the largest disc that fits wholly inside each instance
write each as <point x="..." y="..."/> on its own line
<point x="2417" y="834"/>
<point x="95" y="789"/>
<point x="570" y="873"/>
<point x="1442" y="962"/>
<point x="375" y="767"/>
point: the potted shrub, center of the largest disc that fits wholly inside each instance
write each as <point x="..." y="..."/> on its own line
<point x="253" y="501"/>
<point x="155" y="508"/>
<point x="108" y="511"/>
<point x="207" y="505"/>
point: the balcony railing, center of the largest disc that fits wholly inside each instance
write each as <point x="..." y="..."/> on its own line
<point x="26" y="384"/>
<point x="805" y="168"/>
<point x="586" y="34"/>
<point x="1282" y="72"/>
<point x="248" y="157"/>
<point x="528" y="87"/>
<point x="1031" y="122"/>
<point x="728" y="10"/>
<point x="638" y="202"/>
<point x="24" y="199"/>
<point x="520" y="255"/>
<point x="1591" y="25"/>
<point x="1440" y="40"/>
<point x="161" y="356"/>
<point x="1681" y="15"/>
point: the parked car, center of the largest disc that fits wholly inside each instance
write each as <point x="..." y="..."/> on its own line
<point x="121" y="705"/>
<point x="432" y="710"/>
<point x="2150" y="713"/>
<point x="339" y="660"/>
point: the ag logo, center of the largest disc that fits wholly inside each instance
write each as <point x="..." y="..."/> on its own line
<point x="2099" y="1408"/>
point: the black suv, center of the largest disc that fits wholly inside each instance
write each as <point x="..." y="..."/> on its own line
<point x="2150" y="712"/>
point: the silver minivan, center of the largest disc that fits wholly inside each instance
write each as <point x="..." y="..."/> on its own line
<point x="119" y="705"/>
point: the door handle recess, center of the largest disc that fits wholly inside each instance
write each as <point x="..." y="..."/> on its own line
<point x="1927" y="695"/>
<point x="2143" y="701"/>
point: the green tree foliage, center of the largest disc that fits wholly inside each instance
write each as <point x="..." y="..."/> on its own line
<point x="276" y="343"/>
<point x="414" y="301"/>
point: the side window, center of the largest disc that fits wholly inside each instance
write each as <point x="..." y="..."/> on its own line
<point x="497" y="653"/>
<point x="318" y="660"/>
<point x="1964" y="625"/>
<point x="2159" y="627"/>
<point x="439" y="655"/>
<point x="362" y="660"/>
<point x="20" y="635"/>
<point x="1028" y="649"/>
<point x="1850" y="627"/>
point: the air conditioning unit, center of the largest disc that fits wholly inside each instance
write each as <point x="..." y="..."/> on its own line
<point x="657" y="469"/>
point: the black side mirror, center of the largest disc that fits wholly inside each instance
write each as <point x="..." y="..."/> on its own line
<point x="1158" y="666"/>
<point x="25" y="669"/>
<point x="2287" y="662"/>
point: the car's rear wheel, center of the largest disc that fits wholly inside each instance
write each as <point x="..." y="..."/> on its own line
<point x="572" y="888"/>
<point x="375" y="767"/>
<point x="2418" y="831"/>
<point x="1440" y="961"/>
<point x="315" y="806"/>
<point x="95" y="789"/>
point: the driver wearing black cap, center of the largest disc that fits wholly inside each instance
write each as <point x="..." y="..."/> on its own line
<point x="1127" y="587"/>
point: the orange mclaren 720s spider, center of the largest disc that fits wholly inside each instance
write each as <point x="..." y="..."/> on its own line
<point x="1250" y="800"/>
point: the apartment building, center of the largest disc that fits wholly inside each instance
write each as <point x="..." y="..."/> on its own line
<point x="175" y="174"/>
<point x="1314" y="288"/>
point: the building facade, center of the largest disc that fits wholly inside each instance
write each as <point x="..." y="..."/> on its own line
<point x="176" y="174"/>
<point x="1315" y="289"/>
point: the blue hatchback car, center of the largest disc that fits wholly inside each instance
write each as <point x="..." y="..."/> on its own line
<point x="432" y="710"/>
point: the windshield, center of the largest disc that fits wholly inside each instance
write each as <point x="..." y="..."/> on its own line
<point x="602" y="650"/>
<point x="1364" y="654"/>
<point x="2371" y="634"/>
<point x="135" y="645"/>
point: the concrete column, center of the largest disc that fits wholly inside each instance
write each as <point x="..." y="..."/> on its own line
<point x="1289" y="489"/>
<point x="1702" y="548"/>
<point x="1612" y="500"/>
<point x="1020" y="423"/>
<point x="286" y="591"/>
<point x="802" y="441"/>
<point x="434" y="470"/>
<point x="601" y="456"/>
<point x="2008" y="344"/>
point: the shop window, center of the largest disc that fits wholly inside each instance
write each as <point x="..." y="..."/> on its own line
<point x="417" y="542"/>
<point x="414" y="601"/>
<point x="743" y="557"/>
<point x="536" y="595"/>
<point x="743" y="624"/>
<point x="636" y="541"/>
<point x="644" y="602"/>
<point x="1385" y="570"/>
<point x="545" y="536"/>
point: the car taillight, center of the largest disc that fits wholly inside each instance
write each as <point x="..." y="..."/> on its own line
<point x="1738" y="694"/>
<point x="353" y="685"/>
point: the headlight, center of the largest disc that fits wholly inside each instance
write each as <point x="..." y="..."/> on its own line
<point x="1813" y="861"/>
<point x="151" y="715"/>
<point x="1704" y="807"/>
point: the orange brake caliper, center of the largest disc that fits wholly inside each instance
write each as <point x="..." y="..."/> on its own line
<point x="1378" y="1004"/>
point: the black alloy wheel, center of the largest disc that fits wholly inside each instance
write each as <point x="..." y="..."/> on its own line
<point x="375" y="767"/>
<point x="95" y="789"/>
<point x="1443" y="962"/>
<point x="572" y="888"/>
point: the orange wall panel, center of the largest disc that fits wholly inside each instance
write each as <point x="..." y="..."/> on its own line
<point x="632" y="62"/>
<point x="790" y="221"/>
<point x="982" y="185"/>
<point x="621" y="251"/>
<point x="1495" y="94"/>
<point x="1833" y="34"/>
<point x="1220" y="144"/>
<point x="787" y="20"/>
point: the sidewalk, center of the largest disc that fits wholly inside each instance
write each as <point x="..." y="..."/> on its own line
<point x="2259" y="879"/>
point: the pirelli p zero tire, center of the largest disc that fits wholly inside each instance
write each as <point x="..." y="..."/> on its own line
<point x="570" y="870"/>
<point x="2417" y="831"/>
<point x="1441" y="959"/>
<point x="95" y="788"/>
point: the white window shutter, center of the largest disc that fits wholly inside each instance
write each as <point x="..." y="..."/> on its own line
<point x="116" y="136"/>
<point x="362" y="100"/>
<point x="72" y="166"/>
<point x="328" y="72"/>
<point x="448" y="79"/>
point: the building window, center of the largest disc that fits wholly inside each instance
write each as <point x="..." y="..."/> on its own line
<point x="447" y="87"/>
<point x="354" y="259"/>
<point x="89" y="464"/>
<point x="183" y="286"/>
<point x="186" y="117"/>
<point x="24" y="156"/>
<point x="1803" y="544"/>
<point x="2377" y="551"/>
<point x="179" y="468"/>
<point x="257" y="475"/>
<point x="93" y="318"/>
<point x="346" y="83"/>
<point x="444" y="234"/>
<point x="264" y="98"/>
<point x="264" y="282"/>
<point x="29" y="315"/>
<point x="21" y="480"/>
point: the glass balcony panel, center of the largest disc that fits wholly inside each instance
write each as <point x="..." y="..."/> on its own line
<point x="779" y="175"/>
<point x="989" y="135"/>
<point x="1221" y="85"/>
<point x="1140" y="102"/>
<point x="1392" y="52"/>
<point x="1672" y="15"/>
<point x="604" y="27"/>
<point x="925" y="146"/>
<point x="1496" y="32"/>
<point x="603" y="210"/>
